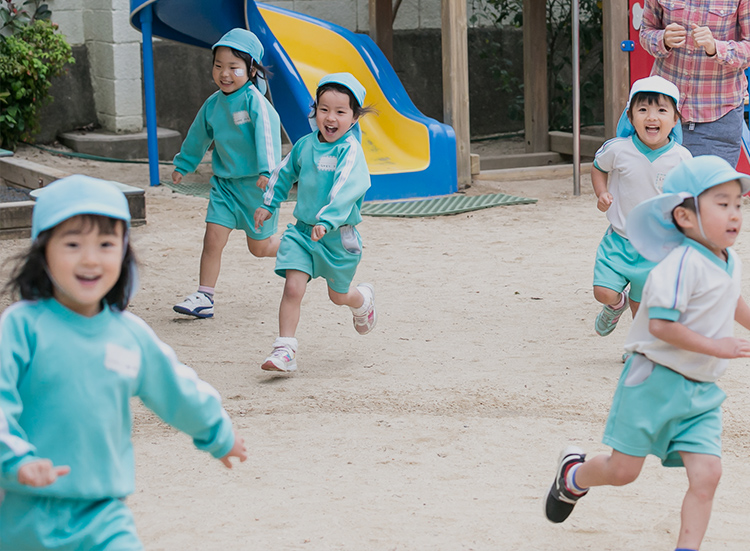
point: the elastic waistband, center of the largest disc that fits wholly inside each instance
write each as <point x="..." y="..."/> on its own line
<point x="304" y="227"/>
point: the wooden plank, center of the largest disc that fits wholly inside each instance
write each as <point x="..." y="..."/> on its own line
<point x="456" y="83"/>
<point x="562" y="142"/>
<point x="536" y="101"/>
<point x="518" y="160"/>
<point x="28" y="174"/>
<point x="381" y="26"/>
<point x="616" y="63"/>
<point x="553" y="172"/>
<point x="16" y="214"/>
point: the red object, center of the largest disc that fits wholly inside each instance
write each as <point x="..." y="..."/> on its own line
<point x="640" y="60"/>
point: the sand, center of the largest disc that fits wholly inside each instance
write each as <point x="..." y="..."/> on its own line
<point x="439" y="430"/>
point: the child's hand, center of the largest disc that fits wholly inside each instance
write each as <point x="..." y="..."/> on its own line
<point x="238" y="450"/>
<point x="260" y="216"/>
<point x="262" y="182"/>
<point x="176" y="177"/>
<point x="604" y="201"/>
<point x="40" y="473"/>
<point x="732" y="347"/>
<point x="318" y="232"/>
<point x="675" y="36"/>
<point x="704" y="39"/>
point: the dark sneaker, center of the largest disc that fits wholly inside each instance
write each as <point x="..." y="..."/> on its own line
<point x="560" y="501"/>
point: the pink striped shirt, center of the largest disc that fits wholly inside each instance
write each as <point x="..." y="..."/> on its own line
<point x="710" y="86"/>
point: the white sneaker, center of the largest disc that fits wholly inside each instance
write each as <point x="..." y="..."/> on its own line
<point x="198" y="304"/>
<point x="365" y="322"/>
<point x="282" y="357"/>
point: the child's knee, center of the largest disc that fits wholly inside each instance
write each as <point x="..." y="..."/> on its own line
<point x="338" y="299"/>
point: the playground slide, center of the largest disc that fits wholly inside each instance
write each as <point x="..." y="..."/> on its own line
<point x="409" y="155"/>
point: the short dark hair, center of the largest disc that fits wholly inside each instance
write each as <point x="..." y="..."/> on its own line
<point x="689" y="204"/>
<point x="262" y="71"/>
<point x="356" y="108"/>
<point x="29" y="279"/>
<point x="650" y="98"/>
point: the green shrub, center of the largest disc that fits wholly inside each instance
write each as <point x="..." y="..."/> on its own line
<point x="31" y="54"/>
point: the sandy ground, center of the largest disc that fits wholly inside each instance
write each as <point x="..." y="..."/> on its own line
<point x="441" y="429"/>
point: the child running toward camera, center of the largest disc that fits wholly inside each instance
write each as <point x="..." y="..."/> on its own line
<point x="628" y="170"/>
<point x="71" y="358"/>
<point x="331" y="173"/>
<point x="667" y="402"/>
<point x="245" y="131"/>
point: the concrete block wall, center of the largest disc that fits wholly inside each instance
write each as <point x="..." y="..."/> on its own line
<point x="114" y="53"/>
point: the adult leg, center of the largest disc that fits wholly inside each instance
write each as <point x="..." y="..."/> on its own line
<point x="214" y="241"/>
<point x="704" y="472"/>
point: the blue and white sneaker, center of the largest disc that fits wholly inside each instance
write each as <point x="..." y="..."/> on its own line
<point x="607" y="319"/>
<point x="198" y="304"/>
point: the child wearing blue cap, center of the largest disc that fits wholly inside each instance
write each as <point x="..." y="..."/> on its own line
<point x="246" y="133"/>
<point x="331" y="173"/>
<point x="71" y="358"/>
<point x="627" y="170"/>
<point x="667" y="402"/>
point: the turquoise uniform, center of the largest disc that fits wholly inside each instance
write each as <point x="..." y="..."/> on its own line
<point x="332" y="179"/>
<point x="65" y="387"/>
<point x="246" y="133"/>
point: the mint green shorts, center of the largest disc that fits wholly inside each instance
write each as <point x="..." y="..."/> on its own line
<point x="663" y="414"/>
<point x="232" y="204"/>
<point x="40" y="522"/>
<point x="619" y="264"/>
<point x="335" y="257"/>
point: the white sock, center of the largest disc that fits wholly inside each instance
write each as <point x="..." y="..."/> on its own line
<point x="570" y="480"/>
<point x="291" y="342"/>
<point x="620" y="303"/>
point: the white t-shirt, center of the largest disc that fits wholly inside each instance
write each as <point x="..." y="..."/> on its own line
<point x="635" y="173"/>
<point x="696" y="288"/>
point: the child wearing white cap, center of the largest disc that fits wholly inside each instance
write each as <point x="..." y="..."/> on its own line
<point x="331" y="173"/>
<point x="71" y="358"/>
<point x="246" y="134"/>
<point x="667" y="402"/>
<point x="628" y="170"/>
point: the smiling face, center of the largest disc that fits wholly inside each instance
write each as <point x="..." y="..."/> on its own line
<point x="333" y="115"/>
<point x="84" y="263"/>
<point x="653" y="121"/>
<point x="720" y="216"/>
<point x="230" y="72"/>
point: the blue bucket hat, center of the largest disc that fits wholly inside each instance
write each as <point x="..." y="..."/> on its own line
<point x="245" y="41"/>
<point x="348" y="81"/>
<point x="650" y="227"/>
<point x="74" y="195"/>
<point x="655" y="84"/>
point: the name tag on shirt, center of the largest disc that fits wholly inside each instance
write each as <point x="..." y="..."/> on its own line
<point x="327" y="163"/>
<point x="123" y="361"/>
<point x="241" y="117"/>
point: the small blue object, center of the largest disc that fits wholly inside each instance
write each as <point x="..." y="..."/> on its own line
<point x="627" y="45"/>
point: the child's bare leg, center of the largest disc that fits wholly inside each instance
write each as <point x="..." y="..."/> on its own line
<point x="291" y="301"/>
<point x="214" y="241"/>
<point x="616" y="469"/>
<point x="704" y="472"/>
<point x="264" y="247"/>
<point x="634" y="307"/>
<point x="353" y="298"/>
<point x="606" y="295"/>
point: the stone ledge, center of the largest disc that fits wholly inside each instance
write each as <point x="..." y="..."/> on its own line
<point x="122" y="146"/>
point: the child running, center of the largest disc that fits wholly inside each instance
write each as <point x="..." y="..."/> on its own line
<point x="245" y="131"/>
<point x="332" y="177"/>
<point x="667" y="402"/>
<point x="71" y="358"/>
<point x="627" y="170"/>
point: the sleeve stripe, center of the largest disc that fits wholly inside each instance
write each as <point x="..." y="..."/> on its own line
<point x="349" y="160"/>
<point x="266" y="128"/>
<point x="180" y="369"/>
<point x="268" y="195"/>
